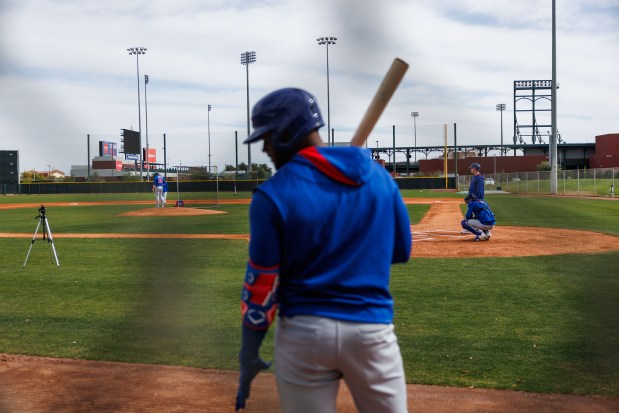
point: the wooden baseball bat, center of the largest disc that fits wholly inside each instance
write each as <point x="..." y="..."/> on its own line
<point x="382" y="96"/>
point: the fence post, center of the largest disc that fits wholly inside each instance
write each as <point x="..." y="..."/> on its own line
<point x="538" y="182"/>
<point x="564" y="182"/>
<point x="526" y="177"/>
<point x="594" y="184"/>
<point x="578" y="181"/>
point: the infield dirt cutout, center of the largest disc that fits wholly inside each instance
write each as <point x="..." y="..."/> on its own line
<point x="171" y="212"/>
<point x="39" y="384"/>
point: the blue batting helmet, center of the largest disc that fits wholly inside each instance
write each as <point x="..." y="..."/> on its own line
<point x="475" y="165"/>
<point x="289" y="115"/>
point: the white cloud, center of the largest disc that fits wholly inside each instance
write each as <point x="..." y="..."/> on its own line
<point x="65" y="71"/>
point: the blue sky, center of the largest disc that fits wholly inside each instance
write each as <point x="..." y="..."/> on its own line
<point x="65" y="71"/>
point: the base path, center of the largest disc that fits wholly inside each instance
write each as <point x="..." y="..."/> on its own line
<point x="39" y="384"/>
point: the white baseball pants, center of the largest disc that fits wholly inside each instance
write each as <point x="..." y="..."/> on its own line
<point x="159" y="196"/>
<point x="313" y="353"/>
<point x="475" y="223"/>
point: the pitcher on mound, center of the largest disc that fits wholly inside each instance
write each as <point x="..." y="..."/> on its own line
<point x="324" y="231"/>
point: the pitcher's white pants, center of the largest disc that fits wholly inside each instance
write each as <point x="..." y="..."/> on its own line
<point x="313" y="353"/>
<point x="159" y="196"/>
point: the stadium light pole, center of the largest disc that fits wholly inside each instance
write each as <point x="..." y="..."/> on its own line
<point x="327" y="41"/>
<point x="248" y="58"/>
<point x="501" y="107"/>
<point x="146" y="122"/>
<point x="137" y="51"/>
<point x="208" y="122"/>
<point x="415" y="115"/>
<point x="553" y="113"/>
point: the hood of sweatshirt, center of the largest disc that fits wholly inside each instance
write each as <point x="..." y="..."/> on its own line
<point x="347" y="165"/>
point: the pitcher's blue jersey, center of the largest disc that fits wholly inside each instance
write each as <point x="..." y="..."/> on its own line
<point x="158" y="180"/>
<point x="333" y="221"/>
<point x="480" y="211"/>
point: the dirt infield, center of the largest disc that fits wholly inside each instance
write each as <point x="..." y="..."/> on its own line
<point x="437" y="235"/>
<point x="38" y="384"/>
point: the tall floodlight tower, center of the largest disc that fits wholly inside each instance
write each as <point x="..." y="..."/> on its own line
<point x="327" y="41"/>
<point x="137" y="51"/>
<point x="248" y="58"/>
<point x="553" y="114"/>
<point x="415" y="115"/>
<point x="501" y="107"/>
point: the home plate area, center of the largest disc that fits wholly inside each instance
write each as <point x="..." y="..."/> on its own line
<point x="438" y="234"/>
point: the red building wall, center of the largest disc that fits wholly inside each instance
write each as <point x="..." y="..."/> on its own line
<point x="608" y="143"/>
<point x="488" y="166"/>
<point x="606" y="151"/>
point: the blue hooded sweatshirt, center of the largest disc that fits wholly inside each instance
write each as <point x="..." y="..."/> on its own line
<point x="333" y="221"/>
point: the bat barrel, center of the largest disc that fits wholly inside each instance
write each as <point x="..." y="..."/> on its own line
<point x="385" y="91"/>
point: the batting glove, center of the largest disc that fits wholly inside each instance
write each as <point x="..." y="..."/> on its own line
<point x="251" y="363"/>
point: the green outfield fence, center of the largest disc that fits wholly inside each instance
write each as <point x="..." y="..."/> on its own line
<point x="584" y="182"/>
<point x="40" y="188"/>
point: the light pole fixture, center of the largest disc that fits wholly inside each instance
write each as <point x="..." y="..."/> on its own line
<point x="501" y="107"/>
<point x="208" y="121"/>
<point x="146" y="121"/>
<point x="137" y="51"/>
<point x="327" y="41"/>
<point x="415" y="115"/>
<point x="248" y="58"/>
<point x="49" y="173"/>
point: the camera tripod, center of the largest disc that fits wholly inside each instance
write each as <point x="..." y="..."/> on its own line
<point x="47" y="235"/>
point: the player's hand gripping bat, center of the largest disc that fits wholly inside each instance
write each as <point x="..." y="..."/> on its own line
<point x="382" y="96"/>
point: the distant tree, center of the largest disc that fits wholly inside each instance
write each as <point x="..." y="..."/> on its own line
<point x="229" y="168"/>
<point x="199" y="174"/>
<point x="94" y="177"/>
<point x="545" y="166"/>
<point x="262" y="170"/>
<point x="131" y="178"/>
<point x="32" y="176"/>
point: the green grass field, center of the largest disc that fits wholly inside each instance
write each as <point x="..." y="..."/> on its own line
<point x="544" y="324"/>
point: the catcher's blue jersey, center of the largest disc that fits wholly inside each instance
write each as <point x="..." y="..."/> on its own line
<point x="480" y="211"/>
<point x="333" y="221"/>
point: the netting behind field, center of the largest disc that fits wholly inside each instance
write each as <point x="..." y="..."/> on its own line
<point x="586" y="182"/>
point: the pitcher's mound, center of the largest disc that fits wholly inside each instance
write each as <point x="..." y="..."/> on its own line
<point x="171" y="212"/>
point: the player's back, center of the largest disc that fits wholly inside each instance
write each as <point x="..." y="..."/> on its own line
<point x="342" y="223"/>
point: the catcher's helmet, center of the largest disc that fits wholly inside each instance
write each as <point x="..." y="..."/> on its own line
<point x="289" y="115"/>
<point x="475" y="165"/>
<point x="470" y="197"/>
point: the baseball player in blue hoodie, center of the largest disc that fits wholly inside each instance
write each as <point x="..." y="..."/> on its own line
<point x="479" y="219"/>
<point x="476" y="187"/>
<point x="324" y="231"/>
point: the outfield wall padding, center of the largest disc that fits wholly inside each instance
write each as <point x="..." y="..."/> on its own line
<point x="44" y="188"/>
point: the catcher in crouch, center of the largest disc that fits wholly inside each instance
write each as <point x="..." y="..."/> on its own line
<point x="479" y="219"/>
<point x="324" y="231"/>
